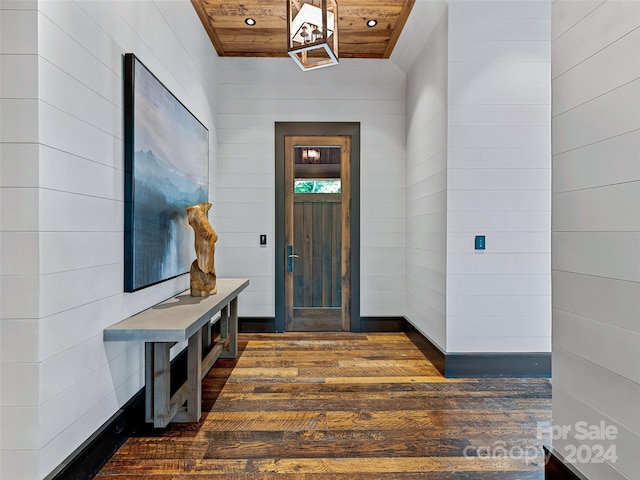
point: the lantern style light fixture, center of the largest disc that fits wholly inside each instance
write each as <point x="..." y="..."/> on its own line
<point x="312" y="30"/>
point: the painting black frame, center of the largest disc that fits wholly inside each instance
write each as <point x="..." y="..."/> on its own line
<point x="188" y="186"/>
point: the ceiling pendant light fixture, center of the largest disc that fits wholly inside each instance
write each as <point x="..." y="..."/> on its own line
<point x="312" y="32"/>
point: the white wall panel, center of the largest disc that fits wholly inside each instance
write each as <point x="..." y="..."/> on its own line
<point x="503" y="93"/>
<point x="19" y="31"/>
<point x="20" y="384"/>
<point x="60" y="90"/>
<point x="493" y="342"/>
<point x="609" y="300"/>
<point x="18" y="292"/>
<point x="497" y="28"/>
<point x="497" y="306"/>
<point x="571" y="92"/>
<point x="65" y="290"/>
<point x="62" y="211"/>
<point x="14" y="219"/>
<point x="498" y="157"/>
<point x="503" y="263"/>
<point x="497" y="51"/>
<point x="69" y="55"/>
<point x="63" y="251"/>
<point x="498" y="136"/>
<point x="602" y="391"/>
<point x="605" y="254"/>
<point x="604" y="25"/>
<point x="499" y="176"/>
<point x="14" y="464"/>
<point x="499" y="221"/>
<point x="12" y="264"/>
<point x="70" y="134"/>
<point x="583" y="125"/>
<point x="611" y="161"/>
<point x="19" y="165"/>
<point x="19" y="256"/>
<point x="255" y="93"/>
<point x="83" y="32"/>
<point x="426" y="184"/>
<point x="567" y="411"/>
<point x="70" y="173"/>
<point x="14" y="335"/>
<point x="20" y="432"/>
<point x="498" y="9"/>
<point x="566" y="17"/>
<point x="483" y="115"/>
<point x="19" y="76"/>
<point x="517" y="75"/>
<point x="19" y="118"/>
<point x="609" y="208"/>
<point x="582" y="336"/>
<point x="596" y="242"/>
<point x="514" y="284"/>
<point x="500" y="200"/>
<point x="68" y="328"/>
<point x="425" y="14"/>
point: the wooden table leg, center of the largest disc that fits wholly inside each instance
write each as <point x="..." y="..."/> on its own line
<point x="148" y="382"/>
<point x="194" y="374"/>
<point x="161" y="384"/>
<point x="206" y="335"/>
<point x="231" y="342"/>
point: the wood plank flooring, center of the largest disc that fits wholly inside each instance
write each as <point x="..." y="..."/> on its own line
<point x="345" y="406"/>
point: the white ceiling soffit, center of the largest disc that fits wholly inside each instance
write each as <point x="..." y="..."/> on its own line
<point x="424" y="16"/>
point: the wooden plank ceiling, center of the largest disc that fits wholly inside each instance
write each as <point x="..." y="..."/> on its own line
<point x="224" y="21"/>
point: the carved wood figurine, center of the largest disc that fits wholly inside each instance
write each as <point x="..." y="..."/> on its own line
<point x="203" y="272"/>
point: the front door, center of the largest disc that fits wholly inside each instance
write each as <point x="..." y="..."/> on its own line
<point x="317" y="233"/>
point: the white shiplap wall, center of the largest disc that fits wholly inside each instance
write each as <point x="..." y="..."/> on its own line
<point x="427" y="186"/>
<point x="498" y="177"/>
<point x="256" y="93"/>
<point x="67" y="151"/>
<point x="19" y="255"/>
<point x="596" y="229"/>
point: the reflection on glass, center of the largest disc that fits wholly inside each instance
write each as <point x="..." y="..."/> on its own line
<point x="307" y="185"/>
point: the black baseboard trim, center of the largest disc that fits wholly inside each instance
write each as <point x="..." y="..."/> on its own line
<point x="426" y="346"/>
<point x="382" y="324"/>
<point x="518" y="364"/>
<point x="256" y="325"/>
<point x="481" y="365"/>
<point x="367" y="324"/>
<point x="555" y="468"/>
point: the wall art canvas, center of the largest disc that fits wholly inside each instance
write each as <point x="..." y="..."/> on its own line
<point x="166" y="170"/>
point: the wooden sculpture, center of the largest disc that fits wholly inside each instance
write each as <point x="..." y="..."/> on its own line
<point x="203" y="272"/>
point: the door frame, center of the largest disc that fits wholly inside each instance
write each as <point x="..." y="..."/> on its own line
<point x="301" y="129"/>
<point x="344" y="143"/>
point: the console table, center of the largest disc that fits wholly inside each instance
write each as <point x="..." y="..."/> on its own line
<point x="177" y="319"/>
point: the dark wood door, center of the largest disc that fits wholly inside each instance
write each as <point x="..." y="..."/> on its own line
<point x="317" y="278"/>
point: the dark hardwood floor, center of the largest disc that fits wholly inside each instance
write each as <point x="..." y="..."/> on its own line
<point x="345" y="406"/>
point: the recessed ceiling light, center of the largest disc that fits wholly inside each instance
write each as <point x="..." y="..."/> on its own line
<point x="372" y="23"/>
<point x="250" y="21"/>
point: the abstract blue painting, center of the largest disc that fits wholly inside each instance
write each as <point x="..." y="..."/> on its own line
<point x="166" y="170"/>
